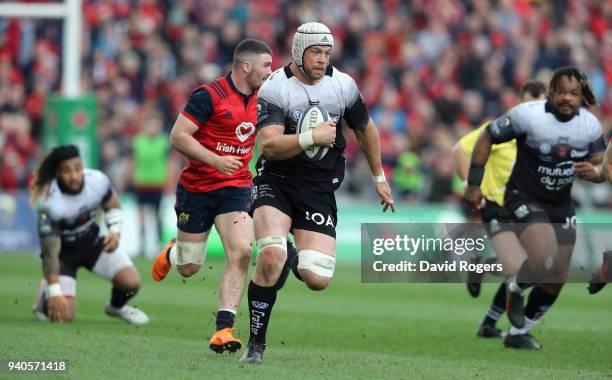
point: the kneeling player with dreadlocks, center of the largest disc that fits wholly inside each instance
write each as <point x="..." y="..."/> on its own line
<point x="68" y="197"/>
<point x="558" y="139"/>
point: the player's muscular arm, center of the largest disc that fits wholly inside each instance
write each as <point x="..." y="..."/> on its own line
<point x="50" y="244"/>
<point x="369" y="142"/>
<point x="590" y="169"/>
<point x="181" y="139"/>
<point x="278" y="146"/>
<point x="480" y="156"/>
<point x="50" y="247"/>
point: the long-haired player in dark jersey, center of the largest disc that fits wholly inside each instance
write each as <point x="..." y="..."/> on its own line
<point x="558" y="139"/>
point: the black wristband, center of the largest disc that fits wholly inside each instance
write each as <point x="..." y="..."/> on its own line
<point x="475" y="175"/>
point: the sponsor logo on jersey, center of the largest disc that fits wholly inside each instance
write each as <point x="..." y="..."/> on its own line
<point x="262" y="111"/>
<point x="545" y="148"/>
<point x="244" y="130"/>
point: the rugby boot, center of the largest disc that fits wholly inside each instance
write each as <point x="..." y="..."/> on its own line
<point x="161" y="265"/>
<point x="223" y="340"/>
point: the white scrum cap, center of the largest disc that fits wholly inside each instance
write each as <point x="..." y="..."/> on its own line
<point x="307" y="35"/>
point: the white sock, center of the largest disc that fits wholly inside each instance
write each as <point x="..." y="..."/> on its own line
<point x="529" y="323"/>
<point x="230" y="310"/>
<point x="172" y="255"/>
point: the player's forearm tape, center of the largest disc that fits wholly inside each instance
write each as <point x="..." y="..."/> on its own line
<point x="305" y="139"/>
<point x="379" y="178"/>
<point x="475" y="175"/>
<point x="54" y="290"/>
<point x="114" y="220"/>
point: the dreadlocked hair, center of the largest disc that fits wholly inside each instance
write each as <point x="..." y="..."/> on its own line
<point x="45" y="173"/>
<point x="588" y="96"/>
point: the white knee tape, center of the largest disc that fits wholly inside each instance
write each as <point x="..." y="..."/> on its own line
<point x="190" y="253"/>
<point x="317" y="262"/>
<point x="271" y="241"/>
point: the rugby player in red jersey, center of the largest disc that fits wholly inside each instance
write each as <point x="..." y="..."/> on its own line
<point x="216" y="132"/>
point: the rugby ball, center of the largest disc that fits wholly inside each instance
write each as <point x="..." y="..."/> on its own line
<point x="309" y="119"/>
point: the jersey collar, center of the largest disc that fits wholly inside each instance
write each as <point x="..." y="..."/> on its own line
<point x="228" y="77"/>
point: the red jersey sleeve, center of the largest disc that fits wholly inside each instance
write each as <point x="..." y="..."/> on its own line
<point x="199" y="107"/>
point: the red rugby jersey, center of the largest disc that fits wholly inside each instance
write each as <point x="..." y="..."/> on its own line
<point x="226" y="119"/>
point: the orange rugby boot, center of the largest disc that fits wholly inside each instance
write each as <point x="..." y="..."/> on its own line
<point x="161" y="265"/>
<point x="223" y="340"/>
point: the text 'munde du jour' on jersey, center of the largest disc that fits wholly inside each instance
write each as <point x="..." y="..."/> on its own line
<point x="281" y="101"/>
<point x="226" y="121"/>
<point x="72" y="216"/>
<point x="547" y="148"/>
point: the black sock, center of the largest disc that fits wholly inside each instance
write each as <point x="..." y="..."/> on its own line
<point x="261" y="301"/>
<point x="120" y="297"/>
<point x="225" y="319"/>
<point x="525" y="277"/>
<point x="497" y="307"/>
<point x="539" y="302"/>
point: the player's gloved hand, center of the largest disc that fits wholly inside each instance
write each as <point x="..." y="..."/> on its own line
<point x="384" y="191"/>
<point x="587" y="171"/>
<point x="111" y="241"/>
<point x="473" y="197"/>
<point x="58" y="308"/>
<point x="324" y="134"/>
<point x="227" y="164"/>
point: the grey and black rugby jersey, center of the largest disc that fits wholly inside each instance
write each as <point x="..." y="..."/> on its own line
<point x="72" y="216"/>
<point x="547" y="148"/>
<point x="281" y="101"/>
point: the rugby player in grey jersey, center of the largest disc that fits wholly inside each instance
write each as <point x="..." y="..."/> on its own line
<point x="294" y="192"/>
<point x="68" y="197"/>
<point x="558" y="139"/>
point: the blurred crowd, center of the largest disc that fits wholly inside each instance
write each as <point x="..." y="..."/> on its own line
<point x="429" y="71"/>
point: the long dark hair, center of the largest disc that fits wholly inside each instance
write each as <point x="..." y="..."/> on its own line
<point x="46" y="171"/>
<point x="588" y="96"/>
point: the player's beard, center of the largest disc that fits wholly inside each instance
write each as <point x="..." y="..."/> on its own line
<point x="67" y="190"/>
<point x="309" y="74"/>
<point x="561" y="116"/>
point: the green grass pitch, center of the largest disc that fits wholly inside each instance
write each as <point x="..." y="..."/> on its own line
<point x="351" y="330"/>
